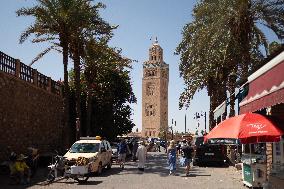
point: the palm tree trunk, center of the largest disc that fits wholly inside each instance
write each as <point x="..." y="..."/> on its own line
<point x="246" y="24"/>
<point x="231" y="89"/>
<point x="66" y="96"/>
<point x="212" y="95"/>
<point x="89" y="112"/>
<point x="77" y="85"/>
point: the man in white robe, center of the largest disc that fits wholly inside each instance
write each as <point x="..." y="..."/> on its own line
<point x="141" y="155"/>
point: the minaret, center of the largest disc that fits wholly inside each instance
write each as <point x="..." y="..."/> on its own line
<point x="155" y="93"/>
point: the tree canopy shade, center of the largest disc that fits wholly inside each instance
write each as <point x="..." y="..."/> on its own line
<point x="224" y="39"/>
<point x="106" y="84"/>
<point x="68" y="24"/>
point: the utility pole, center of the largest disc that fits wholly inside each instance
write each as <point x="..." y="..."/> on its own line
<point x="205" y="121"/>
<point x="185" y="123"/>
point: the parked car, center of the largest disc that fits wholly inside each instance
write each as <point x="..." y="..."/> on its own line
<point x="206" y="153"/>
<point x="97" y="151"/>
<point x="114" y="154"/>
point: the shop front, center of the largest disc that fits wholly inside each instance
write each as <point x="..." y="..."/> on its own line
<point x="266" y="96"/>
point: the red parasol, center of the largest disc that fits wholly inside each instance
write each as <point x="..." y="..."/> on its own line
<point x="249" y="128"/>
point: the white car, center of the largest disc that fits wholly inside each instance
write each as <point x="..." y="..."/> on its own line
<point x="97" y="151"/>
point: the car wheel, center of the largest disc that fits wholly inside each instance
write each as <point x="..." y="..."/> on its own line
<point x="109" y="165"/>
<point x="82" y="179"/>
<point x="100" y="169"/>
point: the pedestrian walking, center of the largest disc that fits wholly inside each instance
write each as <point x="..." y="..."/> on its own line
<point x="134" y="150"/>
<point x="186" y="156"/>
<point x="141" y="154"/>
<point x="172" y="155"/>
<point x="122" y="150"/>
<point x="158" y="145"/>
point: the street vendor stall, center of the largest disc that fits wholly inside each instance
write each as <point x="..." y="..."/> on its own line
<point x="253" y="130"/>
<point x="254" y="164"/>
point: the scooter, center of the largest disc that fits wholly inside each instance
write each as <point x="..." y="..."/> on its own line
<point x="56" y="169"/>
<point x="60" y="169"/>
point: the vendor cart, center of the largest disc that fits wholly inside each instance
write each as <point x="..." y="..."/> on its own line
<point x="254" y="167"/>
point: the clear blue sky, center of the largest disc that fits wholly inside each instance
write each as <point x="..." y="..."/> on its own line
<point x="138" y="21"/>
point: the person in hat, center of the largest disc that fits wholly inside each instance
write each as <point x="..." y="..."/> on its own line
<point x="172" y="155"/>
<point x="22" y="169"/>
<point x="141" y="154"/>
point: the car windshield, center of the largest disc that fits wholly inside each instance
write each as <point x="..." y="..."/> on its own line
<point x="85" y="148"/>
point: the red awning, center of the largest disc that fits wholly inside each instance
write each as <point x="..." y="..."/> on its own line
<point x="266" y="86"/>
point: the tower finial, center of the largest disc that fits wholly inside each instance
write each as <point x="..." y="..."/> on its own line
<point x="156" y="40"/>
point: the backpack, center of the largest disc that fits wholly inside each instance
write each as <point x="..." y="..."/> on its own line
<point x="122" y="148"/>
<point x="187" y="152"/>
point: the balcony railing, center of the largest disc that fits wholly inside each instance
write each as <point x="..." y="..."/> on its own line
<point x="26" y="73"/>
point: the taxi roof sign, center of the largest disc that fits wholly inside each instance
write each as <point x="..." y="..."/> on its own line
<point x="91" y="138"/>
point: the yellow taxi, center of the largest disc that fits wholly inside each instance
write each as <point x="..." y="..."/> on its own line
<point x="97" y="151"/>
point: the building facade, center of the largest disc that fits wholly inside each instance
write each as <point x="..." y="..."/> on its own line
<point x="155" y="93"/>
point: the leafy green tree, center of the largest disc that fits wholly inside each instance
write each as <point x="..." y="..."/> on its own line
<point x="273" y="47"/>
<point x="106" y="83"/>
<point x="89" y="26"/>
<point x="222" y="44"/>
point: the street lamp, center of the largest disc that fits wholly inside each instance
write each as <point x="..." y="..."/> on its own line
<point x="198" y="116"/>
<point x="171" y="127"/>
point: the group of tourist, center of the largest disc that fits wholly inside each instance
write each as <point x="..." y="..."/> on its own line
<point x="185" y="151"/>
<point x="138" y="152"/>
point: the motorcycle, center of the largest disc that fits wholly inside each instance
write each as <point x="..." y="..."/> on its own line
<point x="60" y="169"/>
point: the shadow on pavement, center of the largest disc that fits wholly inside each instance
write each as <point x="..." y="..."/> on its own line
<point x="91" y="182"/>
<point x="157" y="164"/>
<point x="196" y="175"/>
<point x="112" y="171"/>
<point x="214" y="165"/>
<point x="39" y="177"/>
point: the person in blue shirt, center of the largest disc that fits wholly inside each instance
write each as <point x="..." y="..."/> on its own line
<point x="122" y="151"/>
<point x="172" y="155"/>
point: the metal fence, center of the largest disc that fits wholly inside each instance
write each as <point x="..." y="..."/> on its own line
<point x="26" y="73"/>
<point x="7" y="64"/>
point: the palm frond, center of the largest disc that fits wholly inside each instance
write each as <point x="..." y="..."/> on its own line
<point x="40" y="55"/>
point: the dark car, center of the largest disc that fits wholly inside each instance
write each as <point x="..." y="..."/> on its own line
<point x="114" y="155"/>
<point x="206" y="153"/>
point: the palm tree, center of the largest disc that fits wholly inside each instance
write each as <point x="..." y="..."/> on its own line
<point x="89" y="26"/>
<point x="98" y="59"/>
<point x="66" y="24"/>
<point x="53" y="24"/>
<point x="224" y="38"/>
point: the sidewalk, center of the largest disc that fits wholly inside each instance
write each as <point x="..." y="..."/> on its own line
<point x="155" y="176"/>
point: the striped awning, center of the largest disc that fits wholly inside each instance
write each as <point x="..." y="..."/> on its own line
<point x="266" y="86"/>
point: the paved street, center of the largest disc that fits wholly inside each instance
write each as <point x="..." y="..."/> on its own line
<point x="155" y="176"/>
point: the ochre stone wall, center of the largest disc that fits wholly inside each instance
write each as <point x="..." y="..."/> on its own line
<point x="29" y="116"/>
